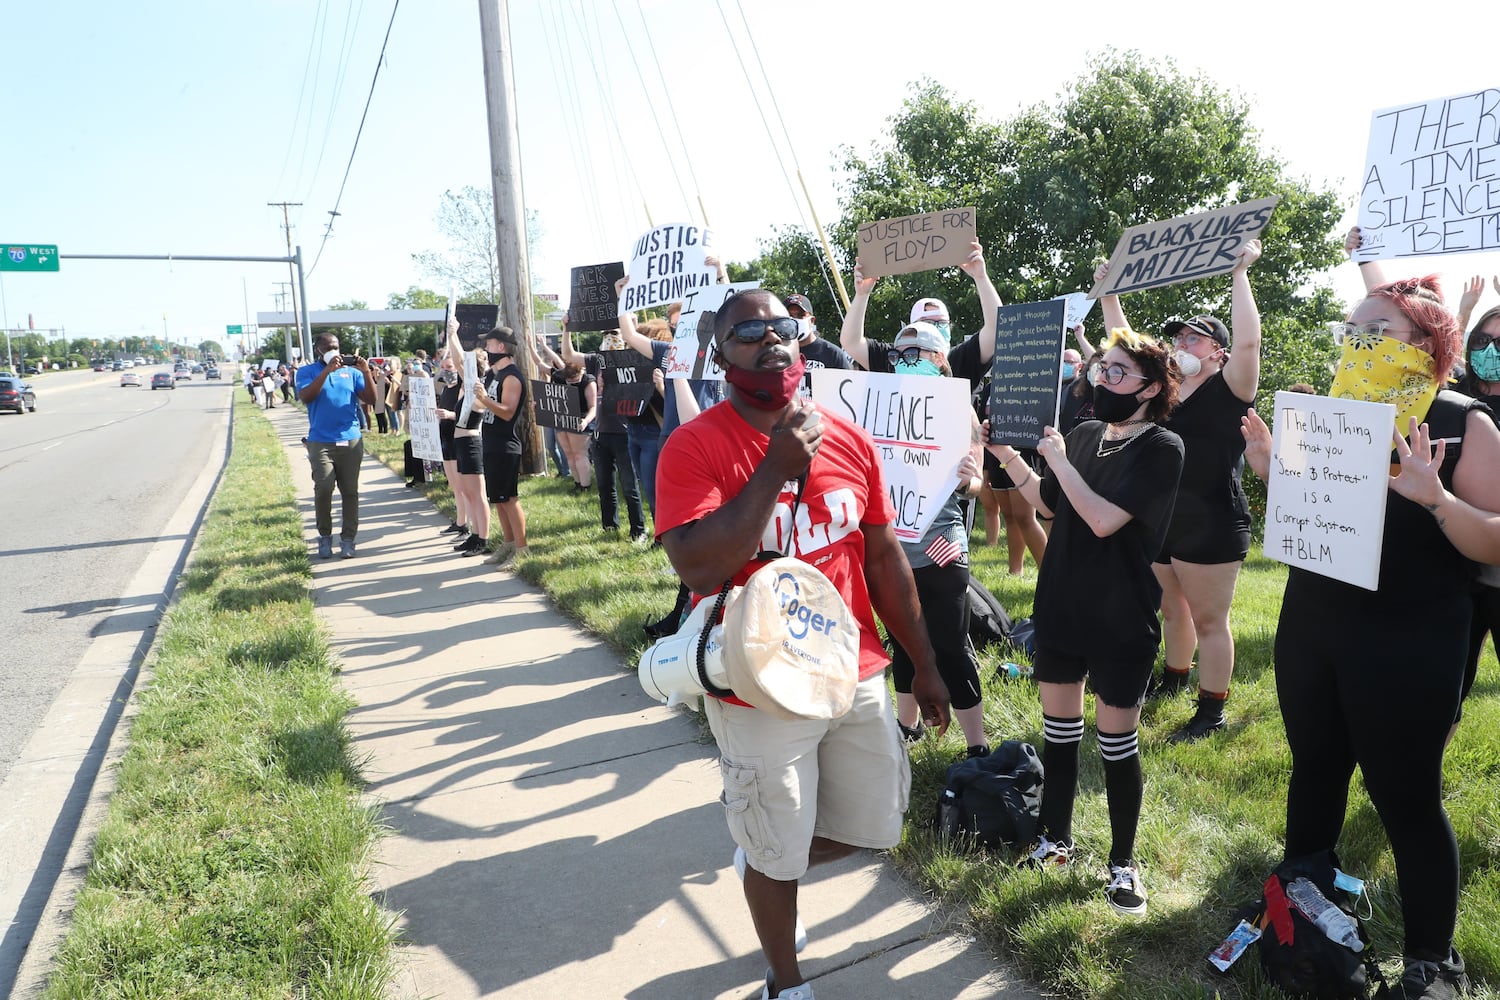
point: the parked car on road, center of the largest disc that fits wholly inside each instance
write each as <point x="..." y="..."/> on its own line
<point x="163" y="380"/>
<point x="17" y="395"/>
<point x="130" y="378"/>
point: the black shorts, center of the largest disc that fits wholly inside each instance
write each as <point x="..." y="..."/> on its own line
<point x="1119" y="683"/>
<point x="449" y="452"/>
<point x="502" y="476"/>
<point x="999" y="479"/>
<point x="944" y="595"/>
<point x="469" y="453"/>
<point x="1205" y="541"/>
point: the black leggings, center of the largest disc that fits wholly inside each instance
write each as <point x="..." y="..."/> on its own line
<point x="1486" y="622"/>
<point x="943" y="592"/>
<point x="1351" y="696"/>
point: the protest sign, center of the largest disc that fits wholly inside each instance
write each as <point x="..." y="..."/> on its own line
<point x="1330" y="469"/>
<point x="471" y="379"/>
<point x="1432" y="178"/>
<point x="1079" y="307"/>
<point x="593" y="304"/>
<point x="422" y="418"/>
<point x="475" y="319"/>
<point x="1026" y="374"/>
<point x="922" y="426"/>
<point x="666" y="265"/>
<point x="1183" y="249"/>
<point x="922" y="242"/>
<point x="690" y="356"/>
<point x="626" y="378"/>
<point x="557" y="405"/>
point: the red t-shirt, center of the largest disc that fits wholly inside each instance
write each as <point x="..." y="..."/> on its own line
<point x="708" y="460"/>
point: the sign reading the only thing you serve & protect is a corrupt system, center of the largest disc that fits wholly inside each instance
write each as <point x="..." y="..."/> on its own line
<point x="1330" y="469"/>
<point x="1186" y="248"/>
<point x="1432" y="178"/>
<point x="922" y="427"/>
<point x="916" y="242"/>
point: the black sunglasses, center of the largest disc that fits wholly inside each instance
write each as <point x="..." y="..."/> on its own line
<point x="1479" y="341"/>
<point x="753" y="331"/>
<point x="910" y="355"/>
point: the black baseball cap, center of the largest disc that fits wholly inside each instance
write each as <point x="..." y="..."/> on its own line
<point x="504" y="334"/>
<point x="800" y="301"/>
<point x="1206" y="325"/>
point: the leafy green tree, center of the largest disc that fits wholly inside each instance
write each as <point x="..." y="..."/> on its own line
<point x="212" y="348"/>
<point x="471" y="263"/>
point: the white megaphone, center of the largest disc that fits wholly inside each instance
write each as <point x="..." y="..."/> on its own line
<point x="788" y="645"/>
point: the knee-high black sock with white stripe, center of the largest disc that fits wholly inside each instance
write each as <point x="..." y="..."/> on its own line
<point x="1124" y="787"/>
<point x="1060" y="763"/>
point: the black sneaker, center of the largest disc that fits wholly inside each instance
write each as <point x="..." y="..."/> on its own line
<point x="471" y="543"/>
<point x="1430" y="980"/>
<point x="1209" y="717"/>
<point x="911" y="734"/>
<point x="982" y="750"/>
<point x="1166" y="684"/>
<point x="1125" y="893"/>
<point x="453" y="529"/>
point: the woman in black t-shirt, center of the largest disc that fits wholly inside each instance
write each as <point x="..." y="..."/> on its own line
<point x="1206" y="543"/>
<point x="575" y="444"/>
<point x="1109" y="488"/>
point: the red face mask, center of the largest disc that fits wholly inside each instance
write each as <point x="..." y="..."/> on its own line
<point x="766" y="390"/>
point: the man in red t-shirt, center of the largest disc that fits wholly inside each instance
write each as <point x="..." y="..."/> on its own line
<point x="764" y="473"/>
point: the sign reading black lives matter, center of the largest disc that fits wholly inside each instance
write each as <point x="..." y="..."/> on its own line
<point x="1026" y="375"/>
<point x="557" y="405"/>
<point x="667" y="264"/>
<point x="593" y="304"/>
<point x="475" y="319"/>
<point x="916" y="242"/>
<point x="1432" y="178"/>
<point x="627" y="383"/>
<point x="1186" y="248"/>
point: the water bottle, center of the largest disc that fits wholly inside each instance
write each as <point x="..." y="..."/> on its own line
<point x="1013" y="671"/>
<point x="1328" y="918"/>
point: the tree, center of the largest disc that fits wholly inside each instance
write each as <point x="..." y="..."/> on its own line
<point x="471" y="264"/>
<point x="1129" y="141"/>
<point x="211" y="348"/>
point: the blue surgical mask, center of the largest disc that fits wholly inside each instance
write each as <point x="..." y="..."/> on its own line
<point x="922" y="367"/>
<point x="943" y="328"/>
<point x="1485" y="364"/>
<point x="1069" y="369"/>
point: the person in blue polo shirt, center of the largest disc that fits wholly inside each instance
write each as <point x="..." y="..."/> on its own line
<point x="332" y="391"/>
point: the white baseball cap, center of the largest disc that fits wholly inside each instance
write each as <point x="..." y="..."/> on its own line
<point x="928" y="309"/>
<point x="923" y="335"/>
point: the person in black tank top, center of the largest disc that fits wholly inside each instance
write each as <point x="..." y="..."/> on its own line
<point x="500" y="401"/>
<point x="1345" y="679"/>
<point x="1209" y="535"/>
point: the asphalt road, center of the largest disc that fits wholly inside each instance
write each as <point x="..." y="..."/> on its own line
<point x="88" y="482"/>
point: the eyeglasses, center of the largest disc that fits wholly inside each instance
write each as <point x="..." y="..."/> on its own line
<point x="1188" y="338"/>
<point x="910" y="355"/>
<point x="1111" y="374"/>
<point x="1375" y="328"/>
<point x="753" y="331"/>
<point x="1478" y="341"/>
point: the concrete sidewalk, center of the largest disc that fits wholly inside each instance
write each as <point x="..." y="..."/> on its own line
<point x="554" y="832"/>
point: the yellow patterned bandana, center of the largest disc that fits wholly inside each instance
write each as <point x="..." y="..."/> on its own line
<point x="1384" y="370"/>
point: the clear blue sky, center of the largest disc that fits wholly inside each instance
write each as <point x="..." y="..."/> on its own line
<point x="166" y="127"/>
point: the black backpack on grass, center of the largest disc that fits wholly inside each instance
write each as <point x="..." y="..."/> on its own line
<point x="993" y="800"/>
<point x="1296" y="955"/>
<point x="988" y="622"/>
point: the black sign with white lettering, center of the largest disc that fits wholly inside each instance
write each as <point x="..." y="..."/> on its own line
<point x="557" y="405"/>
<point x="593" y="304"/>
<point x="1026" y="375"/>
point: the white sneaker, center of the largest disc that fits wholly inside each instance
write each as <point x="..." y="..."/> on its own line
<point x="803" y="992"/>
<point x="799" y="934"/>
<point x="1125" y="892"/>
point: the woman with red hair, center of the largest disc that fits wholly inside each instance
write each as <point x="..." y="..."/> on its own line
<point x="1373" y="678"/>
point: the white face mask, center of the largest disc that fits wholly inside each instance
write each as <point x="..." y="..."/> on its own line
<point x="328" y="357"/>
<point x="1188" y="364"/>
<point x="804" y="328"/>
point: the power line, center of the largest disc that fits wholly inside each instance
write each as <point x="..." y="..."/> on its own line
<point x="614" y="120"/>
<point x="651" y="105"/>
<point x="682" y="143"/>
<point x="572" y="130"/>
<point x="291" y="139"/>
<point x="351" y="24"/>
<point x="363" y="115"/>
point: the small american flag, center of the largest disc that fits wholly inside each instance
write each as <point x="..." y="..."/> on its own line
<point x="943" y="551"/>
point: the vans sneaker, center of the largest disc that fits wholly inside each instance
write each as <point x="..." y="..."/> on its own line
<point x="803" y="992"/>
<point x="1125" y="892"/>
<point x="799" y="935"/>
<point x="1048" y="855"/>
<point x="1430" y="980"/>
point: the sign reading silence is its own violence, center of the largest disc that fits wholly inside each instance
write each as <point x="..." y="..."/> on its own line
<point x="913" y="243"/>
<point x="1026" y="375"/>
<point x="1432" y="178"/>
<point x="593" y="304"/>
<point x="922" y="427"/>
<point x="1186" y="248"/>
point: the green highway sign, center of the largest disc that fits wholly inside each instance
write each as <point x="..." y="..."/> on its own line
<point x="234" y="331"/>
<point x="28" y="257"/>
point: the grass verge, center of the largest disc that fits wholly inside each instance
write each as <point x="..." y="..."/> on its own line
<point x="232" y="860"/>
<point x="1214" y="812"/>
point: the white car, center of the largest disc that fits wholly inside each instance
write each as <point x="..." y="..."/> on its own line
<point x="130" y="378"/>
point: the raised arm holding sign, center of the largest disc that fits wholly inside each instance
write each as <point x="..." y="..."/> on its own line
<point x="922" y="242"/>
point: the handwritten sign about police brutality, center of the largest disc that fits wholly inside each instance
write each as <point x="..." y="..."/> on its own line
<point x="422" y="418"/>
<point x="916" y="242"/>
<point x="691" y="355"/>
<point x="1432" y="178"/>
<point x="1325" y="502"/>
<point x="557" y="405"/>
<point x="1026" y="375"/>
<point x="666" y="264"/>
<point x="592" y="303"/>
<point x="1186" y="248"/>
<point x="922" y="426"/>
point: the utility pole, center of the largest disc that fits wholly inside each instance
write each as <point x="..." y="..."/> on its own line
<point x="510" y="210"/>
<point x="286" y="224"/>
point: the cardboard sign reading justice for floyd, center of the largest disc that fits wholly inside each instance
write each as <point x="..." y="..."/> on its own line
<point x="557" y="405"/>
<point x="916" y="242"/>
<point x="1432" y="178"/>
<point x="922" y="426"/>
<point x="627" y="383"/>
<point x="593" y="304"/>
<point x="1183" y="249"/>
<point x="666" y="265"/>
<point x="1026" y="375"/>
<point x="690" y="355"/>
<point x="422" y="418"/>
<point x="1330" y="469"/>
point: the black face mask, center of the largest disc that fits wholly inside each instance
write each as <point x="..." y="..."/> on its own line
<point x="1112" y="407"/>
<point x="495" y="356"/>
